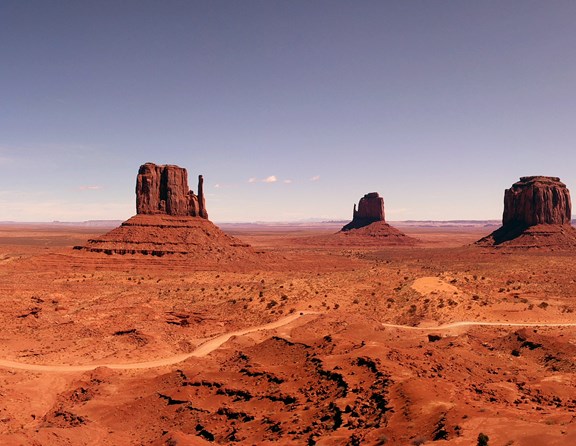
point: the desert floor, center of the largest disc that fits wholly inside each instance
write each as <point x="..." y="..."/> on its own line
<point x="316" y="344"/>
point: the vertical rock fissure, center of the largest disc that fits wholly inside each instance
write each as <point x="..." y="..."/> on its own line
<point x="163" y="189"/>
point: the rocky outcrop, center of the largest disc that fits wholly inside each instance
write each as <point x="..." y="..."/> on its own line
<point x="537" y="200"/>
<point x="537" y="214"/>
<point x="171" y="220"/>
<point x="368" y="226"/>
<point x="159" y="235"/>
<point x="370" y="210"/>
<point x="163" y="189"/>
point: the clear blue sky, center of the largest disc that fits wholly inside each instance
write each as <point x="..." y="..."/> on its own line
<point x="437" y="105"/>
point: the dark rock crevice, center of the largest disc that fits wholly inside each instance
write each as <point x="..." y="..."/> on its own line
<point x="163" y="189"/>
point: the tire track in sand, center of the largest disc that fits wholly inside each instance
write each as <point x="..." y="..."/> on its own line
<point x="200" y="351"/>
<point x="479" y="323"/>
<point x="215" y="343"/>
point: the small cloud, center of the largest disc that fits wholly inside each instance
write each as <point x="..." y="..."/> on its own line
<point x="270" y="179"/>
<point x="315" y="178"/>
<point x="90" y="187"/>
<point x="287" y="181"/>
<point x="217" y="186"/>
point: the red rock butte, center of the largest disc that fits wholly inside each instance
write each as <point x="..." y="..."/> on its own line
<point x="537" y="214"/>
<point x="368" y="222"/>
<point x="170" y="219"/>
<point x="370" y="210"/>
<point x="164" y="190"/>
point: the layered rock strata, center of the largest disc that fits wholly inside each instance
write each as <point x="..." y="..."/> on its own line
<point x="170" y="219"/>
<point x="537" y="200"/>
<point x="158" y="235"/>
<point x="537" y="213"/>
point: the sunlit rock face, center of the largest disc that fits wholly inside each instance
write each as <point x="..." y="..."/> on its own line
<point x="537" y="214"/>
<point x="537" y="200"/>
<point x="163" y="189"/>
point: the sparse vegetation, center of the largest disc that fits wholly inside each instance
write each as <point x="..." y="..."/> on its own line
<point x="483" y="439"/>
<point x="309" y="368"/>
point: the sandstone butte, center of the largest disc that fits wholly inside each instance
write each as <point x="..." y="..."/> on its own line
<point x="170" y="219"/>
<point x="164" y="190"/>
<point x="370" y="210"/>
<point x="537" y="214"/>
<point x="368" y="222"/>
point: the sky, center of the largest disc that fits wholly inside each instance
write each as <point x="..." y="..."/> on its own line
<point x="291" y="109"/>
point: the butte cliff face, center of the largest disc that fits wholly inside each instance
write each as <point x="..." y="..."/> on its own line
<point x="370" y="210"/>
<point x="537" y="200"/>
<point x="171" y="219"/>
<point x="537" y="213"/>
<point x="368" y="226"/>
<point x="163" y="189"/>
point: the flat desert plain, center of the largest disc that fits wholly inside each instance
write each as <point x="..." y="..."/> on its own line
<point x="311" y="344"/>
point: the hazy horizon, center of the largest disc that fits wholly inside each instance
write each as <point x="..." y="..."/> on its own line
<point x="290" y="110"/>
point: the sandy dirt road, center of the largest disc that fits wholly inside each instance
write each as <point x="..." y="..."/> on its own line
<point x="202" y="350"/>
<point x="477" y="324"/>
<point x="215" y="343"/>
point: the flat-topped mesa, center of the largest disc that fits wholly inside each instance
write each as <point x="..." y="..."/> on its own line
<point x="370" y="210"/>
<point x="537" y="200"/>
<point x="163" y="189"/>
<point x="537" y="214"/>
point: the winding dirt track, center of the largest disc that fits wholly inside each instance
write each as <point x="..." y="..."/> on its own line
<point x="202" y="350"/>
<point x="478" y="323"/>
<point x="215" y="343"/>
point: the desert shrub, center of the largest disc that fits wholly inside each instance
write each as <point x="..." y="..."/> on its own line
<point x="482" y="439"/>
